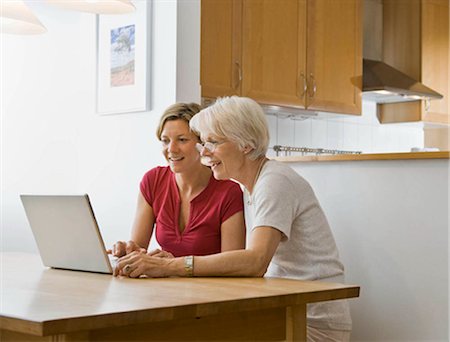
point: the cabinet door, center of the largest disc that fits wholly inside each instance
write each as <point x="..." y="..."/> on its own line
<point x="220" y="47"/>
<point x="435" y="56"/>
<point x="416" y="41"/>
<point x="334" y="56"/>
<point x="401" y="49"/>
<point x="273" y="56"/>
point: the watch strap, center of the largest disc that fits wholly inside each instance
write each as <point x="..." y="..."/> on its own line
<point x="189" y="265"/>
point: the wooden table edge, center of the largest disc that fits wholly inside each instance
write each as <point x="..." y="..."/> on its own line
<point x="101" y="321"/>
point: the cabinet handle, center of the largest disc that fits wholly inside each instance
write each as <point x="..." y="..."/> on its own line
<point x="239" y="75"/>
<point x="427" y="105"/>
<point x="314" y="86"/>
<point x="305" y="85"/>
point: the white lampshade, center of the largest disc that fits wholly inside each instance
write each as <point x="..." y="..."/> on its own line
<point x="17" y="18"/>
<point x="96" y="6"/>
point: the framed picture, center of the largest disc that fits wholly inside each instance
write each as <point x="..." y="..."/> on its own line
<point x="123" y="61"/>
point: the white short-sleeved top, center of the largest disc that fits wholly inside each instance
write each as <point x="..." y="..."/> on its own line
<point x="284" y="200"/>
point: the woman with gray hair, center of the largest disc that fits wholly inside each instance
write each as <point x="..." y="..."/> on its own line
<point x="289" y="236"/>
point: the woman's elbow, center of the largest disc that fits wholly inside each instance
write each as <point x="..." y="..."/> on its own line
<point x="259" y="267"/>
<point x="260" y="273"/>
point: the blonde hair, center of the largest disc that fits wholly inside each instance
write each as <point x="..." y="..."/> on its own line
<point x="177" y="111"/>
<point x="239" y="119"/>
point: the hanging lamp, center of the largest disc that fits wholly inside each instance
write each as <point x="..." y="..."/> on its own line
<point x="17" y="18"/>
<point x="96" y="6"/>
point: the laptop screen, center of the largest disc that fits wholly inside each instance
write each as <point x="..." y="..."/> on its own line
<point x="66" y="232"/>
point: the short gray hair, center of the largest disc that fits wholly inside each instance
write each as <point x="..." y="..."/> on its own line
<point x="239" y="119"/>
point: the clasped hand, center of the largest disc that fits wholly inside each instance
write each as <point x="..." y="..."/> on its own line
<point x="135" y="262"/>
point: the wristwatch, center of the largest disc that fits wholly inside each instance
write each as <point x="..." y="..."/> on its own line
<point x="189" y="265"/>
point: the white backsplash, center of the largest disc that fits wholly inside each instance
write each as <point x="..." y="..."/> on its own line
<point x="362" y="133"/>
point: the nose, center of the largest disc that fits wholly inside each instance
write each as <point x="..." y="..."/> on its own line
<point x="172" y="146"/>
<point x="201" y="149"/>
<point x="204" y="151"/>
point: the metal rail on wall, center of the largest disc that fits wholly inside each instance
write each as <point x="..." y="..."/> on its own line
<point x="305" y="150"/>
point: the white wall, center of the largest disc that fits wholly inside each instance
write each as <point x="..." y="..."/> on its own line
<point x="52" y="139"/>
<point x="391" y="223"/>
<point x="188" y="51"/>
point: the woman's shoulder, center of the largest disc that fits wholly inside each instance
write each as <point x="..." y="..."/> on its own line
<point x="226" y="185"/>
<point x="273" y="168"/>
<point x="157" y="172"/>
<point x="275" y="172"/>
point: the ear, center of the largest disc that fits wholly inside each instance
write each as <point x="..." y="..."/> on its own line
<point x="247" y="149"/>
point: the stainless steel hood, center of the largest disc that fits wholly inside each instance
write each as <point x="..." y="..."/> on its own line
<point x="385" y="84"/>
<point x="381" y="82"/>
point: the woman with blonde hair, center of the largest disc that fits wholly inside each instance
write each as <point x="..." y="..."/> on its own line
<point x="193" y="213"/>
<point x="289" y="233"/>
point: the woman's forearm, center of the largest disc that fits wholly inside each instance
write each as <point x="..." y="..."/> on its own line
<point x="244" y="263"/>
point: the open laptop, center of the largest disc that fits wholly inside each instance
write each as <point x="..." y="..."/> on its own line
<point x="66" y="232"/>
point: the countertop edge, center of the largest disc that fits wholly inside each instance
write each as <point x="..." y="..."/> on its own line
<point x="368" y="156"/>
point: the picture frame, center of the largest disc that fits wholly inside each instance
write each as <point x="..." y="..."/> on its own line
<point x="123" y="61"/>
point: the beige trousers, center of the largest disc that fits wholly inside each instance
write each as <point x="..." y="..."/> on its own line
<point x="326" y="335"/>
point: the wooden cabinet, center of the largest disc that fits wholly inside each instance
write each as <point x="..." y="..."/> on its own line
<point x="416" y="41"/>
<point x="220" y="54"/>
<point x="293" y="53"/>
<point x="334" y="55"/>
<point x="274" y="52"/>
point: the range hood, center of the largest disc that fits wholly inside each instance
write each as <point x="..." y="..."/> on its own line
<point x="385" y="84"/>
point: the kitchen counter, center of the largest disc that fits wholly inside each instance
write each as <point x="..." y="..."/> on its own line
<point x="369" y="156"/>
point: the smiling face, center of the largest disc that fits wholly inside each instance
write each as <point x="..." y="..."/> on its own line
<point x="178" y="143"/>
<point x="227" y="159"/>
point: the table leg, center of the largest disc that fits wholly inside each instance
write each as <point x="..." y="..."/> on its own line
<point x="296" y="323"/>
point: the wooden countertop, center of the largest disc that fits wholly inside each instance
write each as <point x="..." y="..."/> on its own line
<point x="41" y="301"/>
<point x="360" y="157"/>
